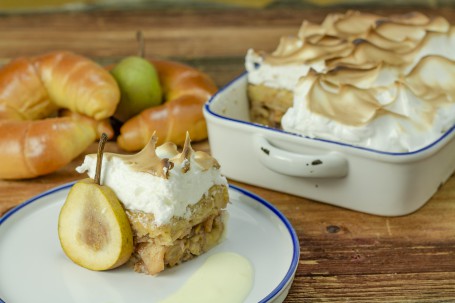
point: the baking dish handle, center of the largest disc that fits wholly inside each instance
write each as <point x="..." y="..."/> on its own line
<point x="330" y="165"/>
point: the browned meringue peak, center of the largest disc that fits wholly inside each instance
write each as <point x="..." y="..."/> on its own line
<point x="345" y="94"/>
<point x="344" y="103"/>
<point x="398" y="47"/>
<point x="368" y="54"/>
<point x="148" y="161"/>
<point x="354" y="24"/>
<point x="410" y="31"/>
<point x="168" y="150"/>
<point x="353" y="75"/>
<point x="331" y="40"/>
<point x="184" y="157"/>
<point x="310" y="29"/>
<point x="205" y="161"/>
<point x="287" y="46"/>
<point x="433" y="79"/>
<point x="188" y="156"/>
<point x="401" y="33"/>
<point x="435" y="23"/>
<point x="325" y="48"/>
<point x="416" y="18"/>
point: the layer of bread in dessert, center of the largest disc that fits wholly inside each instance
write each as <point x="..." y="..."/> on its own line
<point x="157" y="247"/>
<point x="268" y="104"/>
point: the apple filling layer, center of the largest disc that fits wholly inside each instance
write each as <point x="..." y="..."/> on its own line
<point x="268" y="105"/>
<point x="157" y="247"/>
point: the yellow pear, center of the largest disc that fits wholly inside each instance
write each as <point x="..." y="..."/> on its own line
<point x="93" y="227"/>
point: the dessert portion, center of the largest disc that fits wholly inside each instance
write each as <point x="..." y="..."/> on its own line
<point x="378" y="82"/>
<point x="175" y="201"/>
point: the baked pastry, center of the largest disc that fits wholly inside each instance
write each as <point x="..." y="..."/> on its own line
<point x="34" y="141"/>
<point x="361" y="79"/>
<point x="175" y="201"/>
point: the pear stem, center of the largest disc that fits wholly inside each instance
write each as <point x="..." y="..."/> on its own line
<point x="99" y="158"/>
<point x="140" y="40"/>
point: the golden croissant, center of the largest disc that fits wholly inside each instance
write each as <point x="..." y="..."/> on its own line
<point x="32" y="89"/>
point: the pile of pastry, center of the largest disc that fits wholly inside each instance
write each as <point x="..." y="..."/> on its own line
<point x="54" y="105"/>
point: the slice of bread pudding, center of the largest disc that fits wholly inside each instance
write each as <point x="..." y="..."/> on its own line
<point x="175" y="201"/>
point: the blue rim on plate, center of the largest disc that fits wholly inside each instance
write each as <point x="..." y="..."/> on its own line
<point x="295" y="242"/>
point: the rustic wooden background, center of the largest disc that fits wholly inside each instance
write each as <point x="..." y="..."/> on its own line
<point x="345" y="256"/>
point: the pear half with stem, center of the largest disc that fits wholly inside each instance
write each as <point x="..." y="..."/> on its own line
<point x="93" y="228"/>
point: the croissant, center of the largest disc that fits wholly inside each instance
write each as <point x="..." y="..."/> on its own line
<point x="33" y="88"/>
<point x="185" y="91"/>
<point x="100" y="126"/>
<point x="22" y="94"/>
<point x="33" y="148"/>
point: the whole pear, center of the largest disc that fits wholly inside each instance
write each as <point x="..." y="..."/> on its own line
<point x="139" y="86"/>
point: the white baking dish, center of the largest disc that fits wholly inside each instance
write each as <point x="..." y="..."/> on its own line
<point x="375" y="182"/>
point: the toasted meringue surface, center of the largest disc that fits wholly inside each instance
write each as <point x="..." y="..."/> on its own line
<point x="359" y="78"/>
<point x="158" y="180"/>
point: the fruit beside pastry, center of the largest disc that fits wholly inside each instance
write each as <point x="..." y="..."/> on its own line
<point x="93" y="228"/>
<point x="148" y="95"/>
<point x="139" y="86"/>
<point x="175" y="201"/>
<point x="185" y="90"/>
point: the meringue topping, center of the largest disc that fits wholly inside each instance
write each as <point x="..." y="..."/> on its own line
<point x="384" y="75"/>
<point x="158" y="180"/>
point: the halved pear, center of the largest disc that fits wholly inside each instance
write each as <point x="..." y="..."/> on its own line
<point x="93" y="228"/>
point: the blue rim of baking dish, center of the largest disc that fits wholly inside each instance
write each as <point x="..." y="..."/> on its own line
<point x="360" y="148"/>
<point x="295" y="241"/>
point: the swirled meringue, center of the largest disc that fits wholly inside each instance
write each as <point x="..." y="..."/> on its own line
<point x="387" y="84"/>
<point x="158" y="180"/>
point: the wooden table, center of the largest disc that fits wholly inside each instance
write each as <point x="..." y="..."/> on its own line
<point x="345" y="256"/>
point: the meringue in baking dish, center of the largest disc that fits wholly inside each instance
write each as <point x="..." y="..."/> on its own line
<point x="175" y="201"/>
<point x="384" y="83"/>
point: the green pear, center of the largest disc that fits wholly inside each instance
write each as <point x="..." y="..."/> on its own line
<point x="93" y="228"/>
<point x="139" y="86"/>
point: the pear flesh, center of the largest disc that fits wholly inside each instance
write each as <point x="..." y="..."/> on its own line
<point x="93" y="227"/>
<point x="139" y="86"/>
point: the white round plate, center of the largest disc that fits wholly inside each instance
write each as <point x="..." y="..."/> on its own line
<point x="33" y="267"/>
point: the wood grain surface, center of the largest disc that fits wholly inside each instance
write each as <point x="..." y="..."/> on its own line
<point x="346" y="256"/>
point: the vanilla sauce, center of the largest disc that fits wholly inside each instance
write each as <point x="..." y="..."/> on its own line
<point x="224" y="277"/>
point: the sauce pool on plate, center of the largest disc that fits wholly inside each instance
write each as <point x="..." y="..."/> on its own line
<point x="224" y="277"/>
